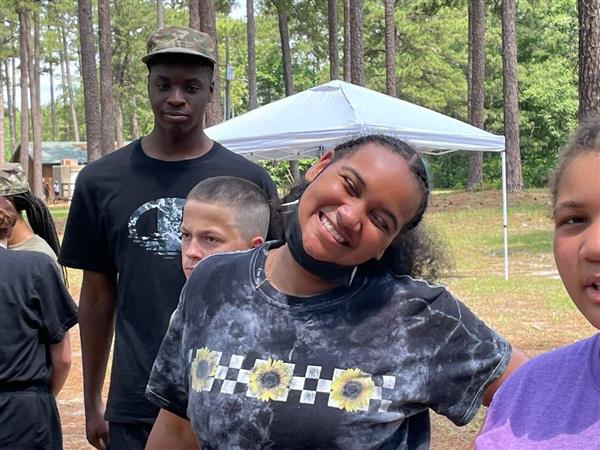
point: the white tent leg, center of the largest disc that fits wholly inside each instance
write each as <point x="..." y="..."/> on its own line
<point x="504" y="213"/>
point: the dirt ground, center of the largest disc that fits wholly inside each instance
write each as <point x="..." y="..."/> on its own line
<point x="537" y="329"/>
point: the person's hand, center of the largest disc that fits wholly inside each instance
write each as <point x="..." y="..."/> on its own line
<point x="96" y="428"/>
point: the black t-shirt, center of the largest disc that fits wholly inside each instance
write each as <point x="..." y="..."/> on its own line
<point x="124" y="219"/>
<point x="36" y="310"/>
<point x="355" y="368"/>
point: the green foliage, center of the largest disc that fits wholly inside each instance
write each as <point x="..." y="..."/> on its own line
<point x="431" y="64"/>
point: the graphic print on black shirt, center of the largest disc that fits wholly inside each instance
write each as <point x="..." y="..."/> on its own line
<point x="355" y="368"/>
<point x="162" y="218"/>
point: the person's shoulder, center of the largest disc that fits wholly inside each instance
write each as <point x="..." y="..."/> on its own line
<point x="557" y="360"/>
<point x="30" y="258"/>
<point x="222" y="262"/>
<point x="224" y="153"/>
<point x="109" y="163"/>
<point x="413" y="288"/>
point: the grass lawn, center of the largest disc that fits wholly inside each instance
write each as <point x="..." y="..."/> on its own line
<point x="531" y="309"/>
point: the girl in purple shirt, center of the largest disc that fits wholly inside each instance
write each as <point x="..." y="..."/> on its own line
<point x="553" y="401"/>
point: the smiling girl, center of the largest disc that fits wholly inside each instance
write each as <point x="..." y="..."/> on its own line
<point x="316" y="342"/>
<point x="553" y="401"/>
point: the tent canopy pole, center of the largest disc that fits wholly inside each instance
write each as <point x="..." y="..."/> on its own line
<point x="504" y="214"/>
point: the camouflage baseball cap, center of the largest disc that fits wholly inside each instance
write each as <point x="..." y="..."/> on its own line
<point x="12" y="179"/>
<point x="180" y="40"/>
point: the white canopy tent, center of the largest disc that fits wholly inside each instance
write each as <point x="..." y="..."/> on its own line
<point x="306" y="124"/>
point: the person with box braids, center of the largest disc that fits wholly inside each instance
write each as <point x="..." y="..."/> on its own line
<point x="38" y="233"/>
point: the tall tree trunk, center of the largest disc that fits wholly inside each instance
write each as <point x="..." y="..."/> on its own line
<point x="119" y="122"/>
<point x="334" y="64"/>
<point x="160" y="16"/>
<point x="34" y="78"/>
<point x="52" y="101"/>
<point x="107" y="116"/>
<point x="251" y="38"/>
<point x="36" y="57"/>
<point x="357" y="70"/>
<point x="475" y="85"/>
<point x="214" y="112"/>
<point x="23" y="34"/>
<point x="194" y="12"/>
<point x="2" y="82"/>
<point x="390" y="49"/>
<point x="347" y="43"/>
<point x="133" y="123"/>
<point x="286" y="54"/>
<point x="589" y="58"/>
<point x="90" y="82"/>
<point x="511" y="96"/>
<point x="68" y="125"/>
<point x="10" y="100"/>
<point x="70" y="80"/>
<point x="286" y="57"/>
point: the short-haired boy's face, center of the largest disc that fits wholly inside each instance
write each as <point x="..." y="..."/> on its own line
<point x="209" y="228"/>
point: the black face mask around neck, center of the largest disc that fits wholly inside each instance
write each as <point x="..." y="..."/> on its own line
<point x="322" y="269"/>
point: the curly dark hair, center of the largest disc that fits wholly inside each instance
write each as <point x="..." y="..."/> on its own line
<point x="416" y="250"/>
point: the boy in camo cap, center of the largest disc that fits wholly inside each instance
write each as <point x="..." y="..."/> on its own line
<point x="123" y="232"/>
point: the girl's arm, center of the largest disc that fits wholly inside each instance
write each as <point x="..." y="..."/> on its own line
<point x="60" y="357"/>
<point x="517" y="359"/>
<point x="171" y="431"/>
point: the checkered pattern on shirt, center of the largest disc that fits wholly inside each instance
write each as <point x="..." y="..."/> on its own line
<point x="309" y="385"/>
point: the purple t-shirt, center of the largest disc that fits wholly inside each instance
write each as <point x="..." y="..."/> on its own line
<point x="552" y="402"/>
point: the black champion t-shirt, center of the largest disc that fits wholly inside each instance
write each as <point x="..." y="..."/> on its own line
<point x="356" y="368"/>
<point x="36" y="311"/>
<point x="124" y="220"/>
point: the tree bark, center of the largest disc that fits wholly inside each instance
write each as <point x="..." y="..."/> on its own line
<point x="589" y="58"/>
<point x="52" y="101"/>
<point x="347" y="43"/>
<point x="36" y="58"/>
<point x="34" y="78"/>
<point x="390" y="49"/>
<point x="68" y="125"/>
<point x="286" y="54"/>
<point x="90" y="82"/>
<point x="251" y="38"/>
<point x="214" y="112"/>
<point x="160" y="16"/>
<point x="119" y="123"/>
<point x="511" y="96"/>
<point x="476" y="85"/>
<point x="286" y="57"/>
<point x="107" y="116"/>
<point x="2" y="82"/>
<point x="23" y="33"/>
<point x="70" y="80"/>
<point x="10" y="100"/>
<point x="357" y="69"/>
<point x="133" y="123"/>
<point x="334" y="65"/>
<point x="194" y="11"/>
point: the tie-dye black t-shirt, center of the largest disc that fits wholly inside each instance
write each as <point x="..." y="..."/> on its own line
<point x="356" y="368"/>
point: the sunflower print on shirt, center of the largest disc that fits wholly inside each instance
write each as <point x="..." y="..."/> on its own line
<point x="351" y="390"/>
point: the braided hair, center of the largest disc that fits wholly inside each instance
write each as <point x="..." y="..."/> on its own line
<point x="38" y="216"/>
<point x="40" y="220"/>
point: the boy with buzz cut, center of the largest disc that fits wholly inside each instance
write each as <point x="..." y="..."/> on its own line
<point x="222" y="214"/>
